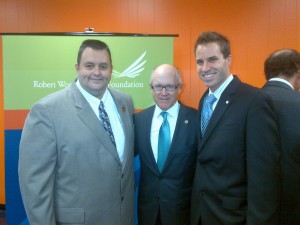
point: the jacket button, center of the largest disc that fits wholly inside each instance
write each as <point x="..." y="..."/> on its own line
<point x="122" y="198"/>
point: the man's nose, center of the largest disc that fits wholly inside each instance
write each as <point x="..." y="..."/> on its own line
<point x="164" y="91"/>
<point x="97" y="70"/>
<point x="205" y="67"/>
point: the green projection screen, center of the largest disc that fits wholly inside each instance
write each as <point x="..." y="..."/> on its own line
<point x="35" y="66"/>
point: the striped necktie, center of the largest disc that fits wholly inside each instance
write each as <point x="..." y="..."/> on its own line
<point x="207" y="111"/>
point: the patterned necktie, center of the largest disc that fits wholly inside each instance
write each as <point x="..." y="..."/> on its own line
<point x="163" y="141"/>
<point x="207" y="111"/>
<point x="105" y="122"/>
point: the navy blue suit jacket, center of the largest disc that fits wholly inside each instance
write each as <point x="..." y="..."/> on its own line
<point x="237" y="178"/>
<point x="170" y="190"/>
<point x="287" y="105"/>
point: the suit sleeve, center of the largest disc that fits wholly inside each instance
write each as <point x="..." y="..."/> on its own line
<point x="263" y="163"/>
<point x="37" y="160"/>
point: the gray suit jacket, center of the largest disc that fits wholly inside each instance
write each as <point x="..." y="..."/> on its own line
<point x="287" y="106"/>
<point x="69" y="170"/>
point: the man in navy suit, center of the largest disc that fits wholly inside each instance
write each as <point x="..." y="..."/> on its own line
<point x="165" y="188"/>
<point x="237" y="179"/>
<point x="282" y="71"/>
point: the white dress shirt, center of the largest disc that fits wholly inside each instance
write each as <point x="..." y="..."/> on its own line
<point x="157" y="120"/>
<point x="113" y="114"/>
<point x="220" y="90"/>
<point x="282" y="80"/>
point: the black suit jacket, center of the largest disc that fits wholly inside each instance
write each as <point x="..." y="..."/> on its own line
<point x="287" y="105"/>
<point x="170" y="190"/>
<point x="237" y="178"/>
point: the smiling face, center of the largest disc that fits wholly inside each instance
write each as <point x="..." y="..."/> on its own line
<point x="94" y="71"/>
<point x="212" y="67"/>
<point x="165" y="75"/>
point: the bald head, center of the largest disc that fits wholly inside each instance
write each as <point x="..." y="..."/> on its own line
<point x="166" y="69"/>
<point x="165" y="83"/>
<point x="282" y="63"/>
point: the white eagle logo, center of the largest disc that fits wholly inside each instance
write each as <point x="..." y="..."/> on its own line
<point x="133" y="70"/>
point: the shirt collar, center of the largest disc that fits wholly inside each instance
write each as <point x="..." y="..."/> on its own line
<point x="92" y="98"/>
<point x="282" y="80"/>
<point x="173" y="111"/>
<point x="220" y="90"/>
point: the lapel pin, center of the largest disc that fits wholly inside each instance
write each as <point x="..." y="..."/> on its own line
<point x="123" y="109"/>
<point x="227" y="102"/>
<point x="186" y="121"/>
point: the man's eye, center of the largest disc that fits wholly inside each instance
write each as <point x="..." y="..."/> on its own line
<point x="213" y="60"/>
<point x="170" y="86"/>
<point x="103" y="67"/>
<point x="89" y="67"/>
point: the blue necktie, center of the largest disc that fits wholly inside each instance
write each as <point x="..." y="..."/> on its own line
<point x="163" y="141"/>
<point x="207" y="111"/>
<point x="105" y="122"/>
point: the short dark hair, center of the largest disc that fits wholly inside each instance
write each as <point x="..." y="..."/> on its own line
<point x="93" y="44"/>
<point x="214" y="37"/>
<point x="285" y="62"/>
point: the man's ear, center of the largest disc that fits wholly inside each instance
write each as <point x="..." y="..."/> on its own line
<point x="229" y="60"/>
<point x="180" y="86"/>
<point x="297" y="81"/>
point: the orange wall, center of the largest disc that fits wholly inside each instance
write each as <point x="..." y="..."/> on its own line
<point x="255" y="28"/>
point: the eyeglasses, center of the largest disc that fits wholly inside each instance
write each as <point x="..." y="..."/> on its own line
<point x="168" y="87"/>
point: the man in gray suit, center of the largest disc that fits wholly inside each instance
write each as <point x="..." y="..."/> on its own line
<point x="72" y="169"/>
<point x="282" y="71"/>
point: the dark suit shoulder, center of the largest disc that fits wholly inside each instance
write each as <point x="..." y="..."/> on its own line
<point x="145" y="113"/>
<point x="248" y="91"/>
<point x="187" y="110"/>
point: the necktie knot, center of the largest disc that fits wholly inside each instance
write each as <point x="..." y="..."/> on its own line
<point x="101" y="106"/>
<point x="211" y="99"/>
<point x="207" y="111"/>
<point x="164" y="115"/>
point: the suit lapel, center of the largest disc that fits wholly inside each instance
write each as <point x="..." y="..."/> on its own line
<point x="222" y="106"/>
<point x="122" y="110"/>
<point x="180" y="131"/>
<point x="148" y="123"/>
<point x="86" y="114"/>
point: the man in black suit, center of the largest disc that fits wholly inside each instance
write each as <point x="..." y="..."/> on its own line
<point x="282" y="71"/>
<point x="165" y="185"/>
<point x="237" y="179"/>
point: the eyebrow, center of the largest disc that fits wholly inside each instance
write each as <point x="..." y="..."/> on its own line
<point x="213" y="57"/>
